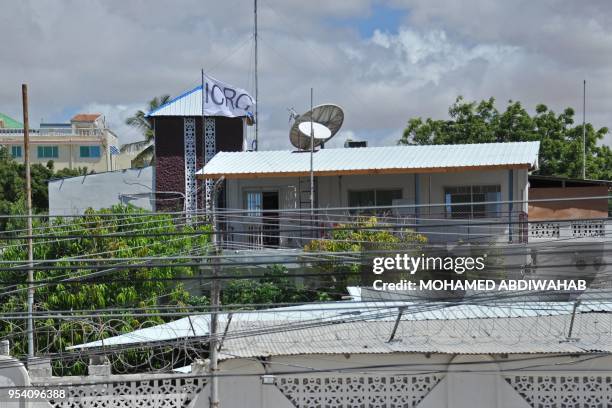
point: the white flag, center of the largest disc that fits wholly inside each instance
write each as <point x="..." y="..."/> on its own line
<point x="221" y="99"/>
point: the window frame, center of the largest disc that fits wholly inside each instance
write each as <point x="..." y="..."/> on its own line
<point x="376" y="192"/>
<point x="476" y="210"/>
<point x="53" y="155"/>
<point x="89" y="149"/>
<point x="18" y="156"/>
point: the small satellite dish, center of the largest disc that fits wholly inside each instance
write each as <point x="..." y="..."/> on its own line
<point x="326" y="122"/>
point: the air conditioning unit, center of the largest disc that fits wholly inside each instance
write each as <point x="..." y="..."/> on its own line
<point x="355" y="143"/>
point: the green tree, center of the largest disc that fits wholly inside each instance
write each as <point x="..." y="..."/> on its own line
<point x="119" y="284"/>
<point x="12" y="183"/>
<point x="481" y="122"/>
<point x="364" y="237"/>
<point x="139" y="121"/>
<point x="277" y="286"/>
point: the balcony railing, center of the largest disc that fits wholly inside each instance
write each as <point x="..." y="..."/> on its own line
<point x="295" y="229"/>
<point x="51" y="132"/>
<point x="553" y="229"/>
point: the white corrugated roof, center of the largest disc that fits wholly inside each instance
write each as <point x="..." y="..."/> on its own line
<point x="186" y="104"/>
<point x="373" y="159"/>
<point x="519" y="335"/>
<point x="308" y="315"/>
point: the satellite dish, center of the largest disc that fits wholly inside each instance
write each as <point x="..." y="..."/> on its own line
<point x="326" y="122"/>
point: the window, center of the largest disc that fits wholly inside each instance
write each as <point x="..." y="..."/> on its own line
<point x="48" y="152"/>
<point x="90" y="151"/>
<point x="373" y="198"/>
<point x="16" y="151"/>
<point x="254" y="203"/>
<point x="465" y="201"/>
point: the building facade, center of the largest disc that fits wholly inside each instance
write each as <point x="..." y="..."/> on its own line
<point x="460" y="191"/>
<point x="85" y="142"/>
<point x="184" y="141"/>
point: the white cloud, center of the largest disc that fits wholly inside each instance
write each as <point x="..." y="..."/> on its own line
<point x="112" y="56"/>
<point x="115" y="116"/>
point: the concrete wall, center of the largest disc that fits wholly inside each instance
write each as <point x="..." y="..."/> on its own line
<point x="12" y="375"/>
<point x="333" y="190"/>
<point x="418" y="380"/>
<point x="74" y="195"/>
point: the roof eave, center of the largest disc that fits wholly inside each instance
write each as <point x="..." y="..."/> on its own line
<point x="349" y="172"/>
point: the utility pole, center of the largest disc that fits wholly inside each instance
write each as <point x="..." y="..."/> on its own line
<point x="584" y="130"/>
<point x="215" y="301"/>
<point x="26" y="159"/>
<point x="256" y="82"/>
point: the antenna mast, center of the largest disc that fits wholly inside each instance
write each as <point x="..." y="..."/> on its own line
<point x="584" y="130"/>
<point x="256" y="82"/>
<point x="311" y="158"/>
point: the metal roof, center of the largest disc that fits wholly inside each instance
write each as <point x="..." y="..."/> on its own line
<point x="372" y="160"/>
<point x="314" y="314"/>
<point x="9" y="123"/>
<point x="187" y="104"/>
<point x="522" y="335"/>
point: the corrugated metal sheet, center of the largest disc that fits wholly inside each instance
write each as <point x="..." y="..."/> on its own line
<point x="186" y="104"/>
<point x="375" y="158"/>
<point x="308" y="315"/>
<point x="524" y="335"/>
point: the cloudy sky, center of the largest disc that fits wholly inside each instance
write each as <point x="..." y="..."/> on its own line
<point x="383" y="61"/>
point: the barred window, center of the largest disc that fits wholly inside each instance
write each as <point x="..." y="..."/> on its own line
<point x="469" y="201"/>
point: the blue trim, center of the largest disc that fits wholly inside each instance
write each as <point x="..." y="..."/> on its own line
<point x="181" y="96"/>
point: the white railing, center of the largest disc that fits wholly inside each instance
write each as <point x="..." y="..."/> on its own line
<point x="68" y="131"/>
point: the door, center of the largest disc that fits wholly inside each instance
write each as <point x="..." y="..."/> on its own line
<point x="270" y="218"/>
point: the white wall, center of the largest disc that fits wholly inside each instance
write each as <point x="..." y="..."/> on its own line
<point x="333" y="191"/>
<point x="421" y="380"/>
<point x="101" y="190"/>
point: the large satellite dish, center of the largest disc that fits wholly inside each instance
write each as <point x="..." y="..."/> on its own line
<point x="326" y="122"/>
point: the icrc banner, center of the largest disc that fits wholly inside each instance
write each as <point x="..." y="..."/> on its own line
<point x="221" y="99"/>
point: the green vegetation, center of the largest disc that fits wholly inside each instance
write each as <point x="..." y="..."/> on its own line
<point x="12" y="184"/>
<point x="481" y="122"/>
<point x="365" y="234"/>
<point x="276" y="287"/>
<point x="138" y="286"/>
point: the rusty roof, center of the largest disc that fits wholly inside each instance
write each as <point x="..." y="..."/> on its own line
<point x="85" y="117"/>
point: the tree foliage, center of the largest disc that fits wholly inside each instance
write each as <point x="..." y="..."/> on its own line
<point x="277" y="286"/>
<point x="12" y="183"/>
<point x="481" y="122"/>
<point x="140" y="122"/>
<point x="137" y="286"/>
<point x="363" y="236"/>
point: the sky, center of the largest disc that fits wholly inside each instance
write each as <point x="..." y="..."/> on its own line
<point x="383" y="61"/>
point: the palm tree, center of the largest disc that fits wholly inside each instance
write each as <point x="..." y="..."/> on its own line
<point x="140" y="122"/>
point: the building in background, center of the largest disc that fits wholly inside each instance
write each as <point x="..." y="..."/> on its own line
<point x="83" y="142"/>
<point x="130" y="155"/>
<point x="74" y="195"/>
<point x="6" y="122"/>
<point x="474" y="192"/>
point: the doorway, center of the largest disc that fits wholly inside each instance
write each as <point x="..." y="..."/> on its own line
<point x="263" y="209"/>
<point x="270" y="218"/>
